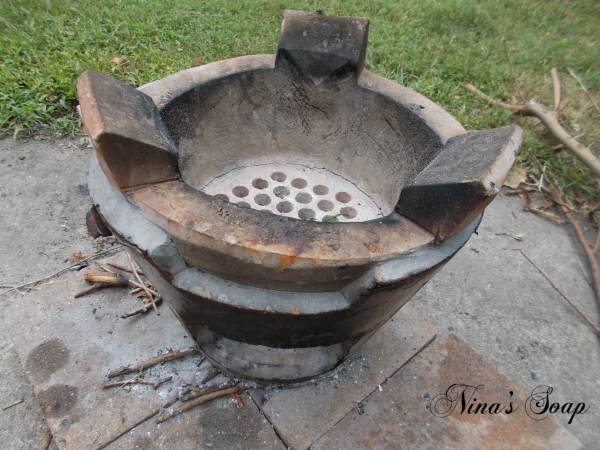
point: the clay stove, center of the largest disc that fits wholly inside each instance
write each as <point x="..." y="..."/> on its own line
<point x="286" y="206"/>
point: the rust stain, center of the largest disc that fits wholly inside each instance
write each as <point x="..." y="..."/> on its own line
<point x="513" y="429"/>
<point x="287" y="261"/>
<point x="267" y="234"/>
<point x="375" y="247"/>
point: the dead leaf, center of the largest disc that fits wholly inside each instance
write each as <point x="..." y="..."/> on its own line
<point x="198" y="61"/>
<point x="518" y="237"/>
<point x="76" y="257"/>
<point x="515" y="177"/>
<point x="117" y="60"/>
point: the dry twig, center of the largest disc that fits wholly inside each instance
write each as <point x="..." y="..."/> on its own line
<point x="147" y="306"/>
<point x="21" y="400"/>
<point x="142" y="285"/>
<point x="550" y="120"/>
<point x="589" y="251"/>
<point x="139" y="286"/>
<point x="198" y="401"/>
<point x="100" y="280"/>
<point x="136" y="424"/>
<point x="31" y="284"/>
<point x="92" y="288"/>
<point x="103" y="267"/>
<point x="120" y="267"/>
<point x="199" y="392"/>
<point x="239" y="399"/>
<point x="581" y="313"/>
<point x="155" y="384"/>
<point x="46" y="441"/>
<point x="112" y="279"/>
<point x="140" y="367"/>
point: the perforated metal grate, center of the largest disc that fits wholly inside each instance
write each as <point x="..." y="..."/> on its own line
<point x="295" y="191"/>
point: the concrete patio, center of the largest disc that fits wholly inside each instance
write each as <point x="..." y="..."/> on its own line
<point x="487" y="318"/>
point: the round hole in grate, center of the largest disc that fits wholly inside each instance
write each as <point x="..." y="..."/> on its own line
<point x="321" y="190"/>
<point x="325" y="205"/>
<point x="306" y="214"/>
<point x="262" y="199"/>
<point x="259" y="183"/>
<point x="349" y="212"/>
<point x="284" y="207"/>
<point x="280" y="177"/>
<point x="244" y="204"/>
<point x="222" y="197"/>
<point x="303" y="198"/>
<point x="299" y="183"/>
<point x="240" y="191"/>
<point x="281" y="191"/>
<point x="343" y="197"/>
<point x="330" y="219"/>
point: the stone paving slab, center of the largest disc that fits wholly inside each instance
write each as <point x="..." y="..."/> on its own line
<point x="221" y="424"/>
<point x="301" y="415"/>
<point x="68" y="345"/>
<point x="502" y="307"/>
<point x="400" y="415"/>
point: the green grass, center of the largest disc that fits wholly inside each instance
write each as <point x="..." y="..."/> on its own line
<point x="430" y="46"/>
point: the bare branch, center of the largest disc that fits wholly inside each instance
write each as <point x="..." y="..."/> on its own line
<point x="548" y="118"/>
<point x="198" y="401"/>
<point x="150" y="362"/>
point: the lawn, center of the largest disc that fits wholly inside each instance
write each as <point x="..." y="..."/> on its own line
<point x="503" y="47"/>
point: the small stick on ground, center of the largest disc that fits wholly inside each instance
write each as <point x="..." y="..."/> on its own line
<point x="118" y="383"/>
<point x="143" y="286"/>
<point x="46" y="441"/>
<point x="140" y="367"/>
<point x="581" y="313"/>
<point x="589" y="251"/>
<point x="199" y="392"/>
<point x="93" y="288"/>
<point x="139" y="286"/>
<point x="30" y="284"/>
<point x="120" y="267"/>
<point x="114" y="279"/>
<point x="142" y="310"/>
<point x="194" y="388"/>
<point x="21" y="400"/>
<point x="136" y="424"/>
<point x="103" y="267"/>
<point x="239" y="399"/>
<point x="155" y="384"/>
<point x="198" y="401"/>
